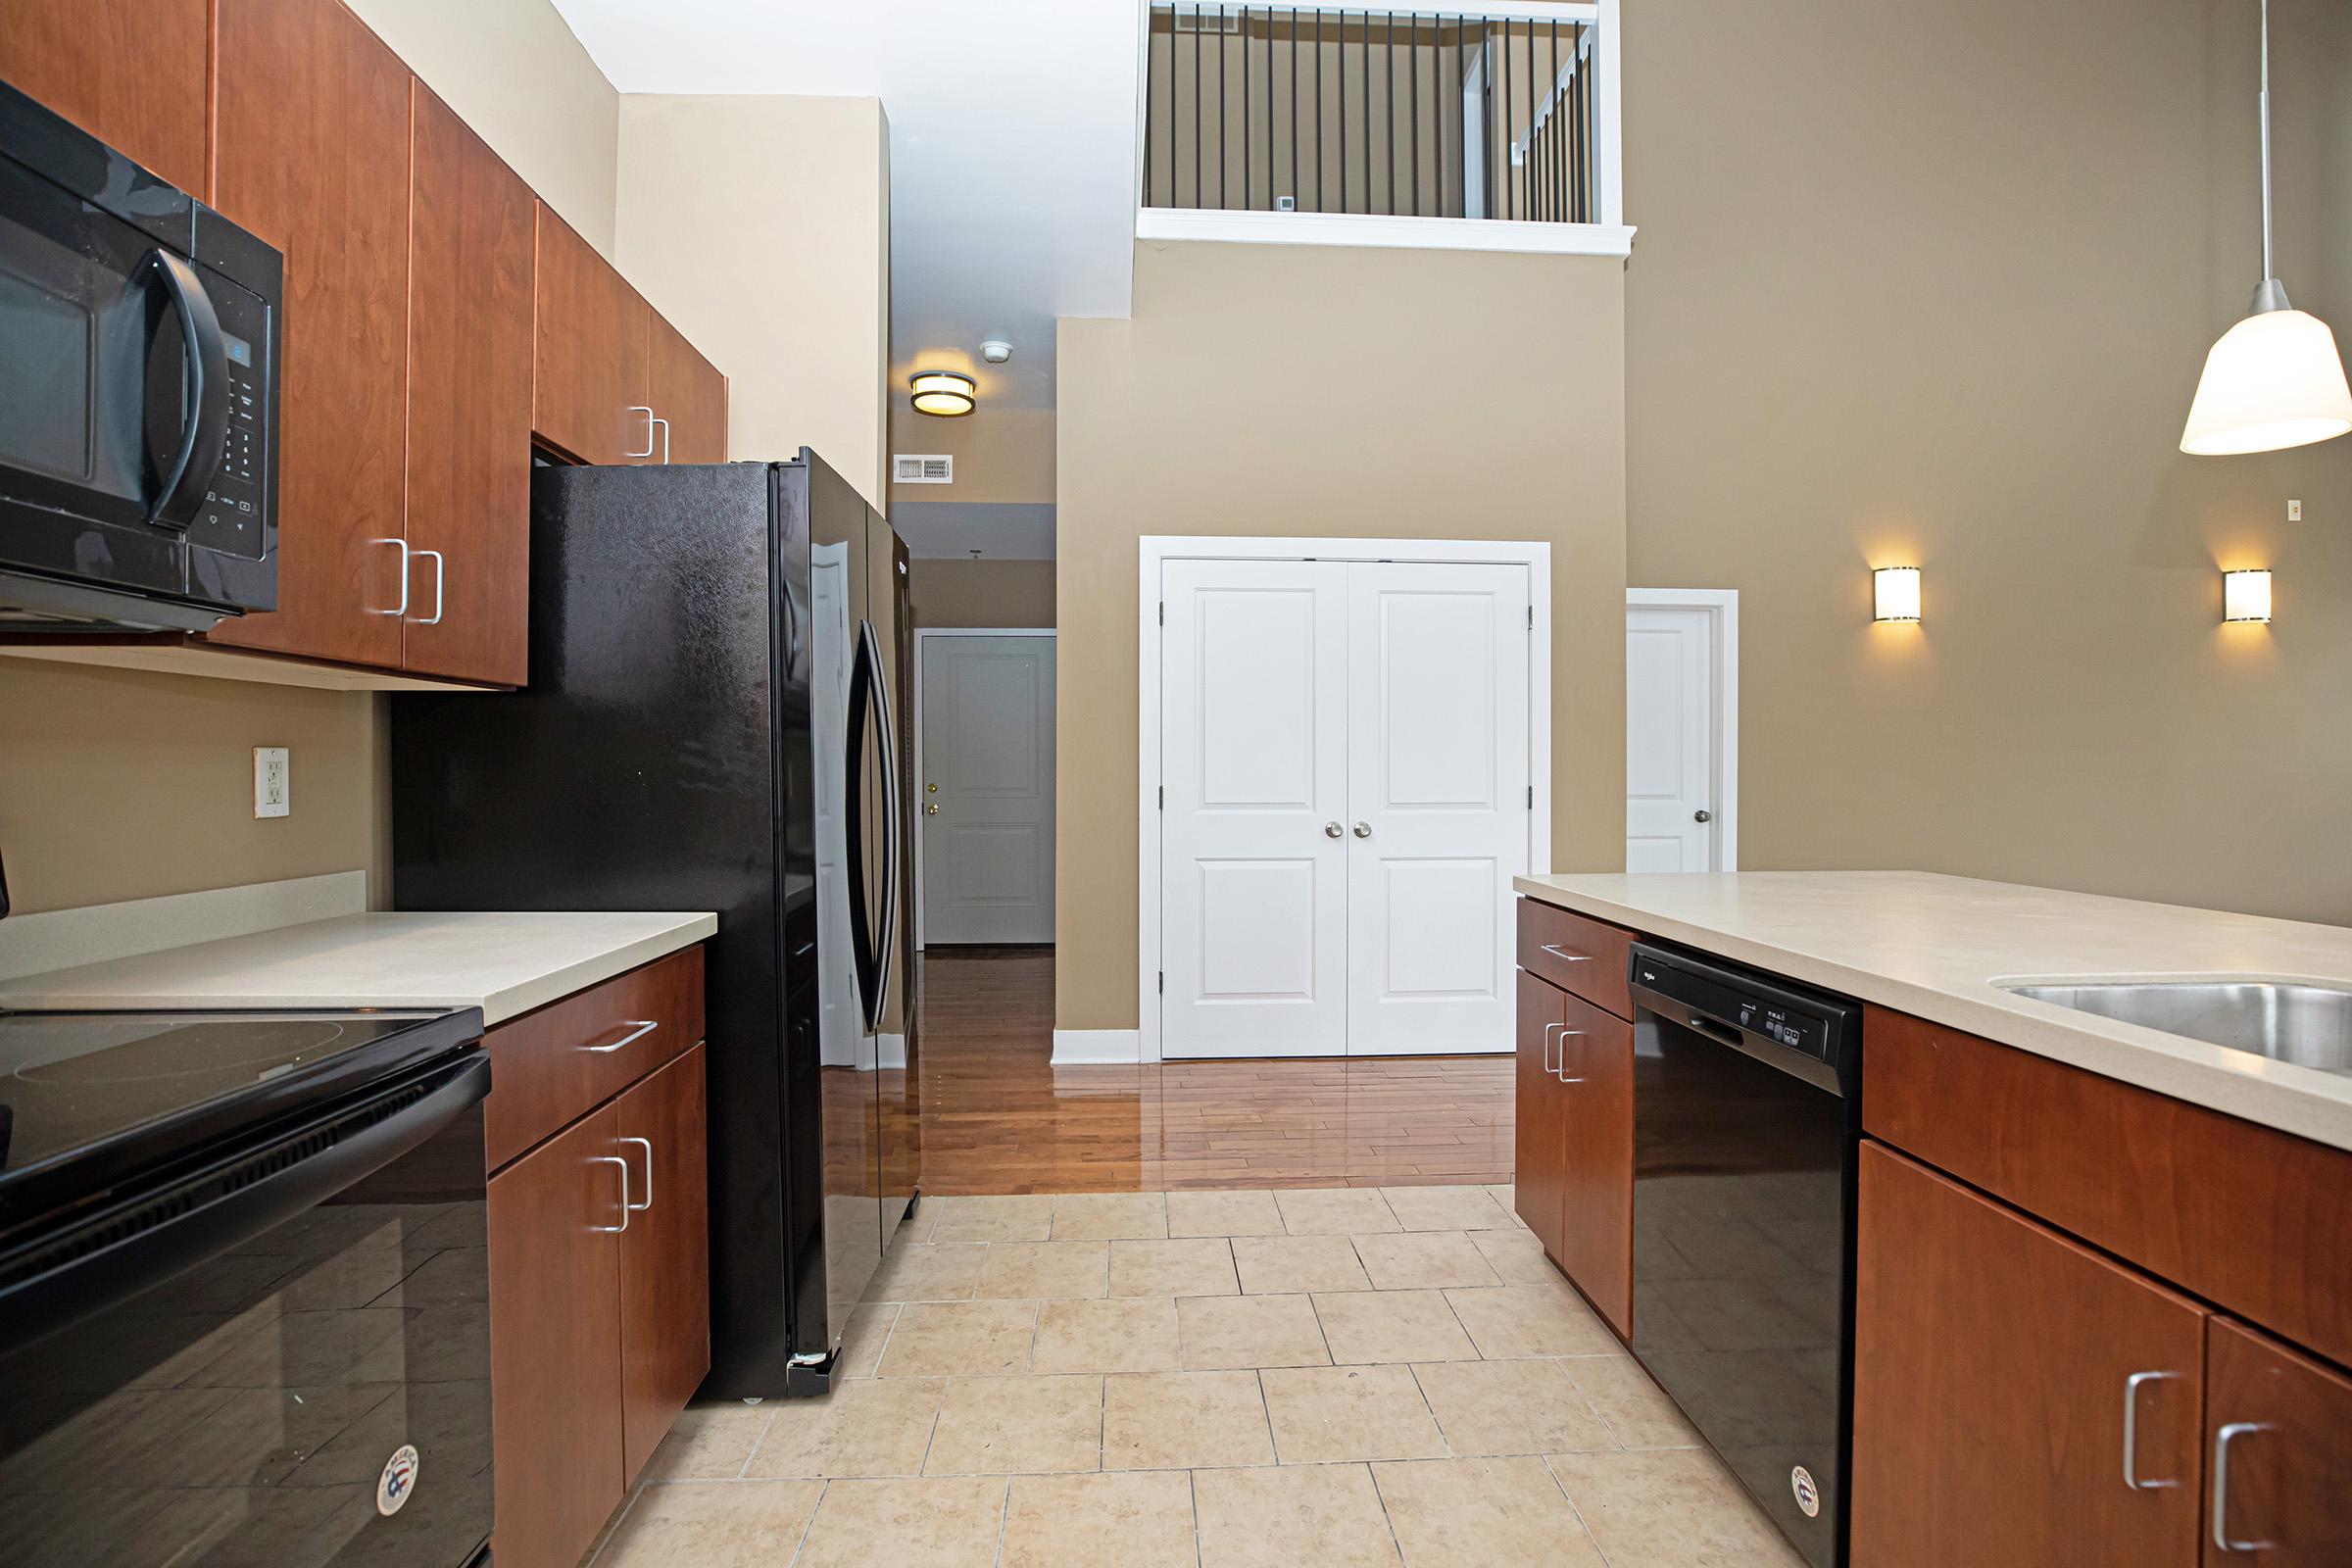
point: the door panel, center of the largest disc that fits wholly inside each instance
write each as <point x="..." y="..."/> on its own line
<point x="1438" y="806"/>
<point x="589" y="352"/>
<point x="470" y="405"/>
<point x="1669" y="736"/>
<point x="1992" y="1361"/>
<point x="682" y="388"/>
<point x="312" y="154"/>
<point x="128" y="71"/>
<point x="1538" y="1127"/>
<point x="2287" y="1483"/>
<point x="986" y="797"/>
<point x="665" y="1256"/>
<point x="1596" y="1057"/>
<point x="1254" y="890"/>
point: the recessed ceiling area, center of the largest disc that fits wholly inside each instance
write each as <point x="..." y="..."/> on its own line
<point x="1012" y="133"/>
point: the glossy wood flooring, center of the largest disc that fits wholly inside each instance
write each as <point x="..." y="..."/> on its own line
<point x="997" y="1118"/>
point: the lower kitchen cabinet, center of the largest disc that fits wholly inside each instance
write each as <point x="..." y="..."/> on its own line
<point x="2018" y="1398"/>
<point x="1538" y="1116"/>
<point x="1573" y="1141"/>
<point x="2279" y="1447"/>
<point x="664" y="1258"/>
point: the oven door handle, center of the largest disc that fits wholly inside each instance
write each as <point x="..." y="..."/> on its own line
<point x="206" y="431"/>
<point x="59" y="1279"/>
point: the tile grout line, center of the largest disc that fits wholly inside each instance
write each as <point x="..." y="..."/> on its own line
<point x="809" y="1525"/>
<point x="1597" y="1550"/>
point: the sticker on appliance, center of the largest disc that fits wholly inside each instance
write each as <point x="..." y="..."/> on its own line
<point x="1809" y="1496"/>
<point x="399" y="1479"/>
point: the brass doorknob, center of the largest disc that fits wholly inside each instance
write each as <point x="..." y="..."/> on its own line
<point x="930" y="810"/>
<point x="931" y="789"/>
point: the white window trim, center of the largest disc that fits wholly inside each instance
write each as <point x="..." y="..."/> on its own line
<point x="921" y="633"/>
<point x="1723" y="603"/>
<point x="1155" y="551"/>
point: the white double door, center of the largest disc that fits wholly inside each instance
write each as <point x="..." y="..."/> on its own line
<point x="1345" y="755"/>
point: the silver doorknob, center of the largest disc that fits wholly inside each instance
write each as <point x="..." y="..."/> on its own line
<point x="1364" y="830"/>
<point x="1330" y="830"/>
<point x="1702" y="815"/>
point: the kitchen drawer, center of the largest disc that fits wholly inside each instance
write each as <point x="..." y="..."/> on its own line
<point x="551" y="1066"/>
<point x="1586" y="957"/>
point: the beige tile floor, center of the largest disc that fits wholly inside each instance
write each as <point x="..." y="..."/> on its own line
<point x="1214" y="1380"/>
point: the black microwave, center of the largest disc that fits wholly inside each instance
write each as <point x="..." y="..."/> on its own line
<point x="140" y="334"/>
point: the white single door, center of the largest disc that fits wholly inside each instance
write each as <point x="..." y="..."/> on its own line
<point x="1438" y="786"/>
<point x="1669" y="739"/>
<point x="1254" y="853"/>
<point x="986" y="799"/>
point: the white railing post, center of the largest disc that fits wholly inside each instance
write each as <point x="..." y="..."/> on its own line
<point x="1609" y="169"/>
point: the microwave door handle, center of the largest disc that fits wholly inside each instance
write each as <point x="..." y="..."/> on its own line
<point x="203" y="438"/>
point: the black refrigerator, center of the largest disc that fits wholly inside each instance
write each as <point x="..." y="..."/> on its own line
<point x="713" y="721"/>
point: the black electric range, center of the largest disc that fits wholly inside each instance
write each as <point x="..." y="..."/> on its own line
<point x="243" y="1289"/>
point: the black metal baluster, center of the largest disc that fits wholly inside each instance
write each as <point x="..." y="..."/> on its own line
<point x="1365" y="55"/>
<point x="1387" y="35"/>
<point x="1223" y="162"/>
<point x="1149" y="98"/>
<point x="1529" y="81"/>
<point x="1245" y="108"/>
<point x="1486" y="112"/>
<point x="1293" y="107"/>
<point x="1412" y="63"/>
<point x="1196" y="185"/>
<point x="1342" y="52"/>
<point x="1319" y="207"/>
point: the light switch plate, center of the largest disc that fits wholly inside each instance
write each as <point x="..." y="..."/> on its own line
<point x="2294" y="511"/>
<point x="272" y="781"/>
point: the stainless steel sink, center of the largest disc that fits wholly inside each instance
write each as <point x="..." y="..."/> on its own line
<point x="2308" y="1025"/>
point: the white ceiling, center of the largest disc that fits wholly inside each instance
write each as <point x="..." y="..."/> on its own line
<point x="1012" y="144"/>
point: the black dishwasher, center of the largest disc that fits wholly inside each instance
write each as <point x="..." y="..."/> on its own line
<point x="1747" y="1094"/>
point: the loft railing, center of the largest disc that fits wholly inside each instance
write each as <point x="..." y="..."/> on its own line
<point x="1400" y="113"/>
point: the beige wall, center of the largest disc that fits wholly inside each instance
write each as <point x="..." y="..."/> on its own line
<point x="1942" y="300"/>
<point x="1249" y="394"/>
<point x="761" y="227"/>
<point x="116" y="784"/>
<point x="514" y="72"/>
<point x="1000" y="453"/>
<point x="982" y="593"/>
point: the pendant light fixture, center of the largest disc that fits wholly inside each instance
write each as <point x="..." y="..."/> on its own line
<point x="2275" y="379"/>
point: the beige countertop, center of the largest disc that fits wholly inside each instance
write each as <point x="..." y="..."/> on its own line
<point x="1931" y="946"/>
<point x="501" y="963"/>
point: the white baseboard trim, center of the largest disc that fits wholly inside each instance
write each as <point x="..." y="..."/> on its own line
<point x="890" y="1051"/>
<point x="65" y="938"/>
<point x="1097" y="1048"/>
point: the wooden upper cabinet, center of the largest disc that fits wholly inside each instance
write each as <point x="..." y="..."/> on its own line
<point x="589" y="392"/>
<point x="686" y="390"/>
<point x="2018" y="1398"/>
<point x="471" y="228"/>
<point x="312" y="154"/>
<point x="131" y="73"/>
<point x="2279" y="1452"/>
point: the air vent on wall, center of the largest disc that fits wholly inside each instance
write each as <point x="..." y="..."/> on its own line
<point x="914" y="468"/>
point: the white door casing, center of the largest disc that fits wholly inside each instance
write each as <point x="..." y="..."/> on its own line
<point x="1255" y="881"/>
<point x="1439" y="801"/>
<point x="984" y="766"/>
<point x="1681" y="749"/>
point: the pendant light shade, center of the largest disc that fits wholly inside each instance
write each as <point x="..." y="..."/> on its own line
<point x="2275" y="379"/>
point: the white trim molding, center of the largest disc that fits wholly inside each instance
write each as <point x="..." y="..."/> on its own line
<point x="1155" y="551"/>
<point x="1398" y="234"/>
<point x="1723" y="603"/>
<point x="1100" y="1047"/>
<point x="916" y="685"/>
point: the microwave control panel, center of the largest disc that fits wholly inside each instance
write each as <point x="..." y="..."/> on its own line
<point x="235" y="504"/>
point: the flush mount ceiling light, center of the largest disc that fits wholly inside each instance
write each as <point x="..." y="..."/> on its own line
<point x="941" y="392"/>
<point x="1894" y="593"/>
<point x="2275" y="379"/>
<point x="2245" y="596"/>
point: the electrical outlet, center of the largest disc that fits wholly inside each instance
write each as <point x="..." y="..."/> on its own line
<point x="272" y="781"/>
<point x="2294" y="511"/>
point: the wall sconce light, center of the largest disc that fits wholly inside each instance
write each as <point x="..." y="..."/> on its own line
<point x="2246" y="596"/>
<point x="943" y="393"/>
<point x="1895" y="593"/>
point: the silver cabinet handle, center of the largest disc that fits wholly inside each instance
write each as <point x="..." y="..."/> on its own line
<point x="401" y="609"/>
<point x="1331" y="830"/>
<point x="2132" y="1388"/>
<point x="647" y="1145"/>
<point x="625" y="1206"/>
<point x="1548" y="1035"/>
<point x="639" y="408"/>
<point x="645" y="1026"/>
<point x="1565" y="957"/>
<point x="649" y="440"/>
<point x="2229" y="1433"/>
<point x="440" y="587"/>
<point x="1364" y="830"/>
<point x="1562" y="1071"/>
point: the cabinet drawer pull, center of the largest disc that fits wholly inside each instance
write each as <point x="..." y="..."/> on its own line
<point x="1548" y="1035"/>
<point x="626" y="1208"/>
<point x="643" y="1027"/>
<point x="402" y="609"/>
<point x="647" y="1145"/>
<point x="2132" y="1388"/>
<point x="1564" y="955"/>
<point x="440" y="587"/>
<point x="1562" y="1071"/>
<point x="664" y="424"/>
<point x="639" y="408"/>
<point x="2229" y="1433"/>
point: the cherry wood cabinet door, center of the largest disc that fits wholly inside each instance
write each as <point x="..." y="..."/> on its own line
<point x="312" y="154"/>
<point x="1538" y="1129"/>
<point x="1597" y="1182"/>
<point x="665" y="1256"/>
<point x="588" y="397"/>
<point x="131" y="73"/>
<point x="2279" y="1452"/>
<point x="2018" y="1398"/>
<point x="687" y="390"/>
<point x="555" y="1343"/>
<point x="470" y="226"/>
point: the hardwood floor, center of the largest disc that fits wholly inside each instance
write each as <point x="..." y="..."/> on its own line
<point x="997" y="1118"/>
